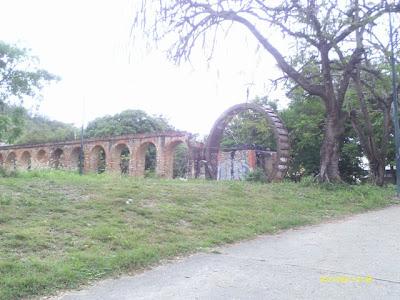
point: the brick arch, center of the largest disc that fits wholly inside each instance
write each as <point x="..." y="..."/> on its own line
<point x="169" y="156"/>
<point x="140" y="156"/>
<point x="58" y="154"/>
<point x="41" y="158"/>
<point x="121" y="157"/>
<point x="97" y="159"/>
<point x="41" y="155"/>
<point x="25" y="161"/>
<point x="73" y="158"/>
<point x="280" y="164"/>
<point x="57" y="158"/>
<point x="11" y="161"/>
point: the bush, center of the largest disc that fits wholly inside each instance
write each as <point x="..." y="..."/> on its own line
<point x="8" y="173"/>
<point x="308" y="181"/>
<point x="257" y="175"/>
<point x="150" y="174"/>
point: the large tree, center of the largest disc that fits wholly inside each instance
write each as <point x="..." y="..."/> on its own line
<point x="305" y="121"/>
<point x="370" y="103"/>
<point x="127" y="122"/>
<point x="367" y="101"/>
<point x="318" y="29"/>
<point x="20" y="77"/>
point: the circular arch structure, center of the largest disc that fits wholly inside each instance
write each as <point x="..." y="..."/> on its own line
<point x="280" y="164"/>
<point x="26" y="160"/>
<point x="141" y="157"/>
<point x="56" y="159"/>
<point x="121" y="156"/>
<point x="41" y="159"/>
<point x="11" y="161"/>
<point x="75" y="158"/>
<point x="41" y="156"/>
<point x="98" y="159"/>
<point x="170" y="156"/>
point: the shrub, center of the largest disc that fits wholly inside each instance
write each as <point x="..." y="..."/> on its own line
<point x="258" y="175"/>
<point x="8" y="173"/>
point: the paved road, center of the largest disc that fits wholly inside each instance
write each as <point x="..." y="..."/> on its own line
<point x="297" y="264"/>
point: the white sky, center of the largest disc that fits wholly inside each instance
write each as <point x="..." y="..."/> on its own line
<point x="88" y="44"/>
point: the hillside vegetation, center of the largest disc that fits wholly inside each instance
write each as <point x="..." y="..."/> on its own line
<point x="59" y="230"/>
<point x="28" y="128"/>
<point x="39" y="129"/>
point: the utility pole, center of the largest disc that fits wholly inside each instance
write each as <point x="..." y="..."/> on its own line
<point x="395" y="106"/>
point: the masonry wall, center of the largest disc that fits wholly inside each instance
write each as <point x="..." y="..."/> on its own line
<point x="65" y="155"/>
<point x="236" y="165"/>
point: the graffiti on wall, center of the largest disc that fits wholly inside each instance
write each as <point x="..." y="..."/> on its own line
<point x="235" y="165"/>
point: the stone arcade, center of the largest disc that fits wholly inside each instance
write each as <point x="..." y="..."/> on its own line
<point x="127" y="153"/>
<point x="65" y="155"/>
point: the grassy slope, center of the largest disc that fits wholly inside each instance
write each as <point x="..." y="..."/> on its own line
<point x="59" y="230"/>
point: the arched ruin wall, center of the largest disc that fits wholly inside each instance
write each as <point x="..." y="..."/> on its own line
<point x="162" y="141"/>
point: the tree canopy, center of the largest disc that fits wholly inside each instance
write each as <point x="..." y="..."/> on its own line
<point x="126" y="122"/>
<point x="26" y="129"/>
<point x="20" y="77"/>
<point x="304" y="119"/>
<point x="40" y="129"/>
<point x="250" y="129"/>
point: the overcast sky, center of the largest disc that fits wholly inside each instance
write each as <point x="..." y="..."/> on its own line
<point x="88" y="44"/>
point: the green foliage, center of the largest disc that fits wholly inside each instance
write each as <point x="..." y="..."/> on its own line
<point x="19" y="127"/>
<point x="40" y="129"/>
<point x="101" y="162"/>
<point x="150" y="161"/>
<point x="125" y="158"/>
<point x="126" y="122"/>
<point x="181" y="157"/>
<point x="350" y="163"/>
<point x="20" y="77"/>
<point x="8" y="173"/>
<point x="149" y="173"/>
<point x="19" y="74"/>
<point x="305" y="120"/>
<point x="258" y="175"/>
<point x="12" y="123"/>
<point x="250" y="128"/>
<point x="374" y="107"/>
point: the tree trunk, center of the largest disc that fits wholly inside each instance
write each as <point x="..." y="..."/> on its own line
<point x="377" y="172"/>
<point x="376" y="157"/>
<point x="330" y="149"/>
